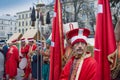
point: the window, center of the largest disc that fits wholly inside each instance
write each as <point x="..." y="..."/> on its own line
<point x="22" y="23"/>
<point x="92" y="5"/>
<point x="30" y="23"/>
<point x="19" y="16"/>
<point x="1" y="27"/>
<point x="26" y="15"/>
<point x="19" y="30"/>
<point x="11" y="28"/>
<point x="15" y="28"/>
<point x="22" y="16"/>
<point x="23" y="31"/>
<point x="19" y="23"/>
<point x="26" y="23"/>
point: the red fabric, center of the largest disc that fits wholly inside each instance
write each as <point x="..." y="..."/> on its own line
<point x="23" y="40"/>
<point x="12" y="58"/>
<point x="105" y="43"/>
<point x="57" y="49"/>
<point x="15" y="40"/>
<point x="75" y="32"/>
<point x="34" y="46"/>
<point x="25" y="50"/>
<point x="30" y="39"/>
<point x="79" y="40"/>
<point x="79" y="34"/>
<point x="27" y="70"/>
<point x="88" y="70"/>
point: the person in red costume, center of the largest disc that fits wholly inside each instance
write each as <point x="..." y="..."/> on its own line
<point x="24" y="47"/>
<point x="32" y="46"/>
<point x="12" y="59"/>
<point x="81" y="66"/>
<point x="24" y="52"/>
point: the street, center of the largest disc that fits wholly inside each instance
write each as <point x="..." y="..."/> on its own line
<point x="20" y="72"/>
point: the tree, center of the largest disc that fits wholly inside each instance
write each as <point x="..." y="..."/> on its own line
<point x="115" y="7"/>
<point x="114" y="2"/>
<point x="81" y="8"/>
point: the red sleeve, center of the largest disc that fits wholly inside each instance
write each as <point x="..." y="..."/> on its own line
<point x="89" y="70"/>
<point x="65" y="74"/>
<point x="26" y="48"/>
<point x="16" y="52"/>
<point x="92" y="74"/>
<point x="22" y="50"/>
<point x="34" y="47"/>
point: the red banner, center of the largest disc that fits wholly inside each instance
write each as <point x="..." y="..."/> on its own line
<point x="57" y="46"/>
<point x="105" y="44"/>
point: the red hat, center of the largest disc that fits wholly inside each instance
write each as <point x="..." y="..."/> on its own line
<point x="30" y="39"/>
<point x="15" y="40"/>
<point x="78" y="35"/>
<point x="23" y="40"/>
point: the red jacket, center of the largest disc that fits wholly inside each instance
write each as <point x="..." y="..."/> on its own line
<point x="12" y="58"/>
<point x="25" y="49"/>
<point x="88" y="70"/>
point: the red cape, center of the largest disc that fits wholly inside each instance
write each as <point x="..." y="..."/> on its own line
<point x="88" y="70"/>
<point x="12" y="58"/>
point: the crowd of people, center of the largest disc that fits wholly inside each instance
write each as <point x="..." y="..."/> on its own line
<point x="36" y="56"/>
<point x="31" y="57"/>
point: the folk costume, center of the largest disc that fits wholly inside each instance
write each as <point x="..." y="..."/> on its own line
<point x="83" y="68"/>
<point x="24" y="52"/>
<point x="46" y="61"/>
<point x="35" y="63"/>
<point x="12" y="59"/>
<point x="68" y="51"/>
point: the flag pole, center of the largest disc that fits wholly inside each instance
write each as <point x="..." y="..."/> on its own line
<point x="37" y="45"/>
<point x="38" y="6"/>
<point x="38" y="32"/>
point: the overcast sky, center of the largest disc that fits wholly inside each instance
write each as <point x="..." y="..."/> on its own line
<point x="14" y="6"/>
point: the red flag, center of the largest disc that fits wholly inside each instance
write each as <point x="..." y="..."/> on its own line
<point x="57" y="46"/>
<point x="105" y="44"/>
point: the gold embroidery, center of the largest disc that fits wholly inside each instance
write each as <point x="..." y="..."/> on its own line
<point x="75" y="68"/>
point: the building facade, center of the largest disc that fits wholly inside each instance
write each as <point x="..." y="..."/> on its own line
<point x="8" y="26"/>
<point x="24" y="22"/>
